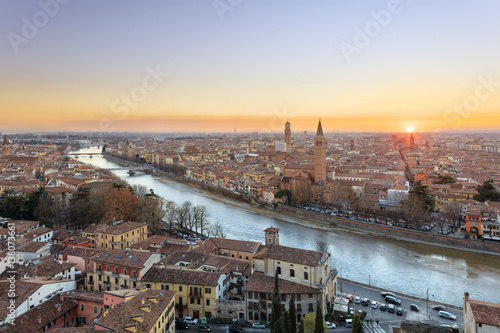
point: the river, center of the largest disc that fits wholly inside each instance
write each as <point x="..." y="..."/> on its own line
<point x="405" y="267"/>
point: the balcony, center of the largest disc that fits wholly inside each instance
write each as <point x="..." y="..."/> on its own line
<point x="117" y="243"/>
<point x="195" y="295"/>
<point x="124" y="286"/>
<point x="133" y="278"/>
<point x="115" y="275"/>
<point x="107" y="284"/>
<point x="98" y="271"/>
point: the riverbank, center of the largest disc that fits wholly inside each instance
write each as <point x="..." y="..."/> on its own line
<point x="329" y="223"/>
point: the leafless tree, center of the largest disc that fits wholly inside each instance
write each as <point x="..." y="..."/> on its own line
<point x="216" y="230"/>
<point x="200" y="217"/>
<point x="140" y="190"/>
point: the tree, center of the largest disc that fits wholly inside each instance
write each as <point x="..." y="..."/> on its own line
<point x="301" y="326"/>
<point x="200" y="217"/>
<point x="416" y="211"/>
<point x="357" y="325"/>
<point x="487" y="192"/>
<point x="216" y="230"/>
<point x="292" y="315"/>
<point x="310" y="323"/>
<point x="276" y="303"/>
<point x="284" y="193"/>
<point x="121" y="204"/>
<point x="318" y="322"/>
<point x="423" y="193"/>
<point x="153" y="211"/>
<point x="285" y="322"/>
<point x="445" y="179"/>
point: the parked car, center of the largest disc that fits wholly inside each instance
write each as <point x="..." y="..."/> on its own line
<point x="244" y="324"/>
<point x="438" y="307"/>
<point x="181" y="325"/>
<point x="391" y="308"/>
<point x="235" y="329"/>
<point x="447" y="315"/>
<point x="191" y="320"/>
<point x="365" y="302"/>
<point x="348" y="323"/>
<point x="256" y="324"/>
<point x="414" y="307"/>
<point x="387" y="293"/>
<point x="399" y="311"/>
<point x="383" y="307"/>
<point x="392" y="300"/>
<point x="330" y="325"/>
<point x="357" y="300"/>
<point x="350" y="298"/>
<point x="374" y="305"/>
<point x="204" y="328"/>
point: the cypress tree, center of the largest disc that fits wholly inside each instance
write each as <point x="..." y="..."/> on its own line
<point x="292" y="315"/>
<point x="301" y="326"/>
<point x="285" y="319"/>
<point x="276" y="307"/>
<point x="318" y="323"/>
<point x="357" y="325"/>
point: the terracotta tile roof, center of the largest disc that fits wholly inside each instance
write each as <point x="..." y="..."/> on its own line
<point x="38" y="317"/>
<point x="120" y="316"/>
<point x="485" y="313"/>
<point x="169" y="248"/>
<point x="31" y="246"/>
<point x="290" y="254"/>
<point x="181" y="275"/>
<point x="91" y="228"/>
<point x="225" y="264"/>
<point x="155" y="241"/>
<point x="119" y="228"/>
<point x="37" y="232"/>
<point x="81" y="252"/>
<point x="23" y="291"/>
<point x="85" y="295"/>
<point x="260" y="282"/>
<point x="125" y="258"/>
<point x="45" y="267"/>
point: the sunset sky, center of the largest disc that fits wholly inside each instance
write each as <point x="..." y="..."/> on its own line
<point x="217" y="65"/>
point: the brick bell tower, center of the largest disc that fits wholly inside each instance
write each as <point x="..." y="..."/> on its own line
<point x="319" y="155"/>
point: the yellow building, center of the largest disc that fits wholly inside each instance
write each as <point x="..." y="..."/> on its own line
<point x="150" y="311"/>
<point x="197" y="291"/>
<point x="120" y="236"/>
<point x="120" y="269"/>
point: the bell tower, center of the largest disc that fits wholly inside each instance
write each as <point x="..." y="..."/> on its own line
<point x="288" y="138"/>
<point x="319" y="155"/>
<point x="272" y="236"/>
<point x="5" y="147"/>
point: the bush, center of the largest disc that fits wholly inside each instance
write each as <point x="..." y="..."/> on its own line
<point x="363" y="315"/>
<point x="329" y="317"/>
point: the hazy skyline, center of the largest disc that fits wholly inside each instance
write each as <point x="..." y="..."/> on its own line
<point x="212" y="66"/>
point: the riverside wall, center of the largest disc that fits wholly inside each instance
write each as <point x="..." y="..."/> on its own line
<point x="398" y="233"/>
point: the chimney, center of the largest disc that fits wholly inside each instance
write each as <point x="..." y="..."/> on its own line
<point x="59" y="307"/>
<point x="142" y="300"/>
<point x="39" y="319"/>
<point x="61" y="297"/>
<point x="466" y="300"/>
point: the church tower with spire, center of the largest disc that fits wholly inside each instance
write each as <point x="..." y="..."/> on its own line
<point x="288" y="138"/>
<point x="319" y="155"/>
<point x="5" y="147"/>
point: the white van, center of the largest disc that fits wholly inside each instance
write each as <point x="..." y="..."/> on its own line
<point x="348" y="323"/>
